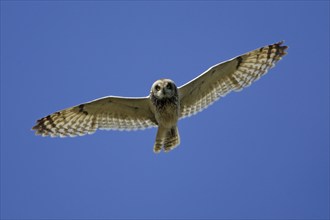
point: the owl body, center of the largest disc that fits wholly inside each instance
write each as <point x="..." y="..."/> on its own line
<point x="166" y="107"/>
<point x="166" y="103"/>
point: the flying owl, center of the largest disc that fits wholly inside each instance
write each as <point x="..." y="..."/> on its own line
<point x="165" y="104"/>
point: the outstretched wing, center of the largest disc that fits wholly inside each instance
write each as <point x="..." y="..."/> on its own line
<point x="231" y="75"/>
<point x="117" y="113"/>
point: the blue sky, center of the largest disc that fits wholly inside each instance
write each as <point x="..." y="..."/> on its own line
<point x="261" y="153"/>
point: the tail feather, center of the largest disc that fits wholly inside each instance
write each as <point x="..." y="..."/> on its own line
<point x="166" y="139"/>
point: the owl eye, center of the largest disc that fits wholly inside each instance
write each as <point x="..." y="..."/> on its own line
<point x="157" y="87"/>
<point x="169" y="86"/>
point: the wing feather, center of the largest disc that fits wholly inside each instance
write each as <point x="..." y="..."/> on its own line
<point x="231" y="75"/>
<point x="113" y="113"/>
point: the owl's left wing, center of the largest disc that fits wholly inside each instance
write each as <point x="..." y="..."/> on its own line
<point x="117" y="113"/>
<point x="231" y="75"/>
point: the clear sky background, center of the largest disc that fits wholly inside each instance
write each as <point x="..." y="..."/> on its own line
<point x="261" y="153"/>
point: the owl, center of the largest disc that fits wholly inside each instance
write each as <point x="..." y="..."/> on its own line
<point x="166" y="104"/>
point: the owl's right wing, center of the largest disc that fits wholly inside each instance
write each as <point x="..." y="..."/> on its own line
<point x="231" y="75"/>
<point x="117" y="113"/>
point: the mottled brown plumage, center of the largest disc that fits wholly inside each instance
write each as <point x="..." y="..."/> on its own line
<point x="166" y="103"/>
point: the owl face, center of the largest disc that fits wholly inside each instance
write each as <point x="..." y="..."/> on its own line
<point x="164" y="88"/>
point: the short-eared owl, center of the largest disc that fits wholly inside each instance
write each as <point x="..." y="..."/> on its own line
<point x="166" y="103"/>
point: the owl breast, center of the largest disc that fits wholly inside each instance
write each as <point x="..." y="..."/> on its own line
<point x="166" y="110"/>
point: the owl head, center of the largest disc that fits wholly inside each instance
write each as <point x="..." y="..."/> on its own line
<point x="164" y="88"/>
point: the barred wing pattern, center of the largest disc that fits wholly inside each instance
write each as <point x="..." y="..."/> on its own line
<point x="116" y="113"/>
<point x="231" y="75"/>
